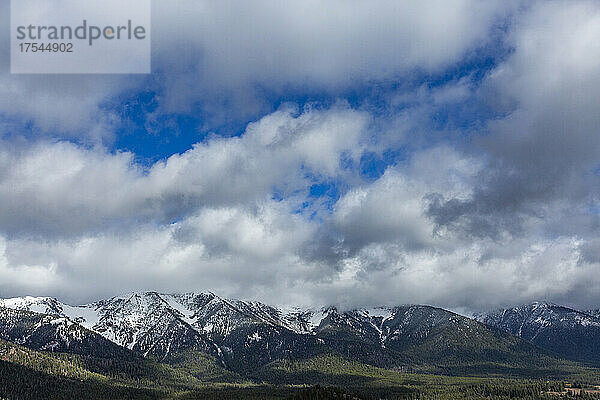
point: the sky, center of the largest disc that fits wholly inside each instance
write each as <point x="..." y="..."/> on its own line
<point x="350" y="153"/>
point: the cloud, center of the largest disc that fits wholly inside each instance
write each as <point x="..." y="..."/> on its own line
<point x="542" y="155"/>
<point x="64" y="189"/>
<point x="231" y="250"/>
<point x="392" y="209"/>
<point x="311" y="42"/>
<point x="518" y="272"/>
<point x="218" y="59"/>
<point x="25" y="277"/>
<point x="227" y="55"/>
<point x="382" y="248"/>
<point x="466" y="191"/>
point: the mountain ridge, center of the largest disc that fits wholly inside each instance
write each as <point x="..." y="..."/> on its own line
<point x="562" y="330"/>
<point x="245" y="336"/>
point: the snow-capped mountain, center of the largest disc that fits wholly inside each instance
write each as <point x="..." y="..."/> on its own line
<point x="143" y="322"/>
<point x="594" y="313"/>
<point x="128" y="320"/>
<point x="157" y="325"/>
<point x="561" y="330"/>
<point x="245" y="335"/>
<point x="55" y="333"/>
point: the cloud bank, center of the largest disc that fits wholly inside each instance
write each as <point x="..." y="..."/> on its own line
<point x="452" y="159"/>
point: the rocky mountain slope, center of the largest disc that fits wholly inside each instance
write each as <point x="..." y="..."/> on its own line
<point x="244" y="336"/>
<point x="563" y="331"/>
<point x="594" y="313"/>
<point x="56" y="333"/>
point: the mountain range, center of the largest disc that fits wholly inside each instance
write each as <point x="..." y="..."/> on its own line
<point x="566" y="332"/>
<point x="246" y="339"/>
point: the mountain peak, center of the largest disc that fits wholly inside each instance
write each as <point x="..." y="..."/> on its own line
<point x="547" y="325"/>
<point x="42" y="305"/>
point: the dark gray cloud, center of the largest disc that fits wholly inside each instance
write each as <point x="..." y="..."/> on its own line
<point x="217" y="58"/>
<point x="544" y="153"/>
